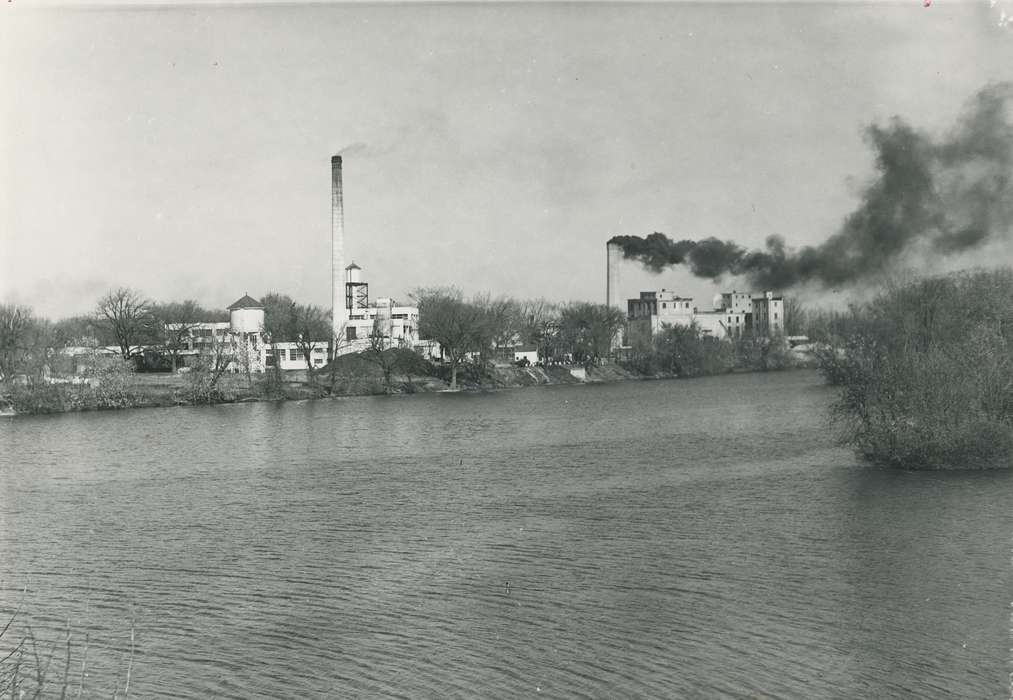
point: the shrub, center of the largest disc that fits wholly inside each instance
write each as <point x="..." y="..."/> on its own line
<point x="926" y="377"/>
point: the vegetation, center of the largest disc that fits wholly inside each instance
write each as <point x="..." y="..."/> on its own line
<point x="126" y="316"/>
<point x="588" y="331"/>
<point x="684" y="351"/>
<point x="32" y="668"/>
<point x="444" y="316"/>
<point x="926" y="373"/>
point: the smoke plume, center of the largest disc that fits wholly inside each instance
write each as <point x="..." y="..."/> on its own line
<point x="942" y="196"/>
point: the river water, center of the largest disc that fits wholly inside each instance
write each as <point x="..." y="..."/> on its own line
<point x="699" y="538"/>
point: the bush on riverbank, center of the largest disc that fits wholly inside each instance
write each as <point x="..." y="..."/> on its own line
<point x="926" y="376"/>
<point x="108" y="385"/>
<point x="683" y="351"/>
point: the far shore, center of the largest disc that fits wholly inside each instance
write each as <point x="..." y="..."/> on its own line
<point x="154" y="390"/>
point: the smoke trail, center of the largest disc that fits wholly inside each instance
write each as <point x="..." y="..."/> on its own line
<point x="948" y="195"/>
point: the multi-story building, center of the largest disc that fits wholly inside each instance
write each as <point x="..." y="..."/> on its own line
<point x="661" y="307"/>
<point x="736" y="302"/>
<point x="768" y="314"/>
<point x="733" y="314"/>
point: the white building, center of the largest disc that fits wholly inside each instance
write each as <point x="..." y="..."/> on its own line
<point x="290" y="355"/>
<point x="661" y="307"/>
<point x="243" y="336"/>
<point x="721" y="323"/>
<point x="396" y="325"/>
<point x="733" y="314"/>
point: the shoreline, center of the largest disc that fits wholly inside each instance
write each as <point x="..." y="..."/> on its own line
<point x="161" y="391"/>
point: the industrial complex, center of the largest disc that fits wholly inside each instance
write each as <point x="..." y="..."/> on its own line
<point x="731" y="315"/>
<point x="357" y="320"/>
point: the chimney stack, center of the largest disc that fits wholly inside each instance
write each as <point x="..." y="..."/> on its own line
<point x="339" y="314"/>
<point x="613" y="255"/>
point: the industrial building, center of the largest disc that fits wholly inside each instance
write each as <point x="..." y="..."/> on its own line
<point x="355" y="319"/>
<point x="733" y="313"/>
<point x="243" y="334"/>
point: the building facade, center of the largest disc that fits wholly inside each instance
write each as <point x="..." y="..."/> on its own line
<point x="660" y="307"/>
<point x="734" y="313"/>
<point x="768" y="314"/>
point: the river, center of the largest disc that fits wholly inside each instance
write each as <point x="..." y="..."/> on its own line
<point x="697" y="538"/>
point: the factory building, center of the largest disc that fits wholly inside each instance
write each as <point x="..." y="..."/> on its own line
<point x="733" y="313"/>
<point x="661" y="307"/>
<point x="396" y="324"/>
<point x="354" y="319"/>
<point x="768" y="314"/>
<point x="243" y="335"/>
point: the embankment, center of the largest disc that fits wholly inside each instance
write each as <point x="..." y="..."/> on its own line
<point x="161" y="390"/>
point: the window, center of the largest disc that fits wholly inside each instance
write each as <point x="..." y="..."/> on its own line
<point x="350" y="333"/>
<point x="664" y="305"/>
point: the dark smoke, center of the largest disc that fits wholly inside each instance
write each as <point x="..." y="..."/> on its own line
<point x="944" y="195"/>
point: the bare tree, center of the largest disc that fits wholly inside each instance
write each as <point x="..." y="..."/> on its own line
<point x="587" y="330"/>
<point x="499" y="325"/>
<point x="75" y="331"/>
<point x="312" y="328"/>
<point x="796" y="317"/>
<point x="125" y="314"/>
<point x="335" y="369"/>
<point x="445" y="317"/>
<point x="175" y="323"/>
<point x="15" y="338"/>
<point x="211" y="365"/>
<point x="279" y="326"/>
<point x="539" y="326"/>
<point x="381" y="352"/>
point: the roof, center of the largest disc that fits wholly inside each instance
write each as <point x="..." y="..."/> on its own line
<point x="246" y="302"/>
<point x="353" y="266"/>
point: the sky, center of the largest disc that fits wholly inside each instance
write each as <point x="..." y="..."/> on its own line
<point x="185" y="151"/>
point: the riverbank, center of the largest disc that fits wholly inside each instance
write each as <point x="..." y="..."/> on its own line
<point x="353" y="377"/>
<point x="163" y="390"/>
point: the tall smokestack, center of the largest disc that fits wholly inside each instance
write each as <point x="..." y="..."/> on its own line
<point x="339" y="314"/>
<point x="613" y="255"/>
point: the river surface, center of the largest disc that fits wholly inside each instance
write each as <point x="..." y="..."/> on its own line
<point x="670" y="539"/>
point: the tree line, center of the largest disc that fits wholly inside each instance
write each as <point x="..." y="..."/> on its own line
<point x="472" y="333"/>
<point x="126" y="319"/>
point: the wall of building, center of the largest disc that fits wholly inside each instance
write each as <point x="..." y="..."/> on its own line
<point x="768" y="314"/>
<point x="721" y="324"/>
<point x="736" y="302"/>
<point x="290" y="356"/>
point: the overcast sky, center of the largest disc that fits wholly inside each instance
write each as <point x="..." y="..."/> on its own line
<point x="186" y="151"/>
